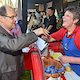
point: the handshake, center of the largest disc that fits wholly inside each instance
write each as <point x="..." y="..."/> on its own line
<point x="41" y="31"/>
<point x="44" y="34"/>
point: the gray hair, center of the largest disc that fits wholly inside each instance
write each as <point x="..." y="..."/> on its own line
<point x="75" y="11"/>
<point x="3" y="11"/>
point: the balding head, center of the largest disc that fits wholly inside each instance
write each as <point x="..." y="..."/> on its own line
<point x="5" y="9"/>
<point x="7" y="17"/>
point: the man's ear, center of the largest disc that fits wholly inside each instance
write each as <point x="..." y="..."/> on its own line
<point x="76" y="20"/>
<point x="1" y="18"/>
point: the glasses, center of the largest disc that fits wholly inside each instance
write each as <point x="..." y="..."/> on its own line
<point x="11" y="17"/>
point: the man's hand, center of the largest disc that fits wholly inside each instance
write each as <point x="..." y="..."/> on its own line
<point x="41" y="31"/>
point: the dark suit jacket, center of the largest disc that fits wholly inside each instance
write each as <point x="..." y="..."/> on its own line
<point x="10" y="47"/>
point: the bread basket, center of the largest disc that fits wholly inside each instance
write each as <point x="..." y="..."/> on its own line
<point x="53" y="68"/>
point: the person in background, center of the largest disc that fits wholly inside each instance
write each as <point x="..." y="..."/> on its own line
<point x="33" y="23"/>
<point x="17" y="30"/>
<point x="60" y="21"/>
<point x="70" y="36"/>
<point x="11" y="46"/>
<point x="51" y="27"/>
<point x="20" y="23"/>
<point x="45" y="20"/>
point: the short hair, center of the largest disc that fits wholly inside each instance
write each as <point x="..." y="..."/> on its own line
<point x="75" y="11"/>
<point x="3" y="11"/>
<point x="52" y="8"/>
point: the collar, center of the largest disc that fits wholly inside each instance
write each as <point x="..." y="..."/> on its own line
<point x="51" y="15"/>
<point x="3" y="30"/>
<point x="6" y="29"/>
<point x="75" y="30"/>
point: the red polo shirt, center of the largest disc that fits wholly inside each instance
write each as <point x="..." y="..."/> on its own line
<point x="62" y="32"/>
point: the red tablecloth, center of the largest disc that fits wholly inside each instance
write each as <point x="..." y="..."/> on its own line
<point x="56" y="47"/>
<point x="27" y="61"/>
<point x="32" y="61"/>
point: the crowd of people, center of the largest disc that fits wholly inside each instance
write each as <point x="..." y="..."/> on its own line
<point x="47" y="21"/>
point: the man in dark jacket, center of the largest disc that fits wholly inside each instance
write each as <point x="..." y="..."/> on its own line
<point x="10" y="46"/>
<point x="51" y="23"/>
